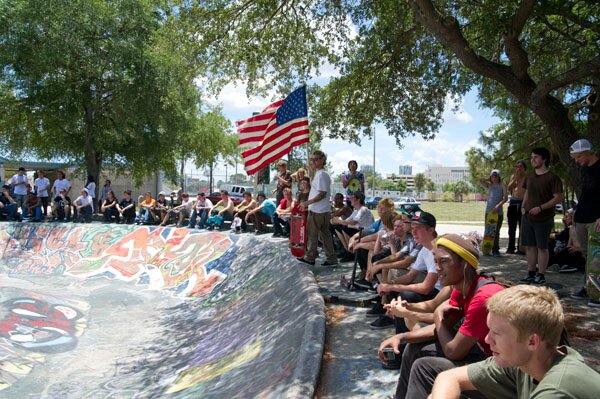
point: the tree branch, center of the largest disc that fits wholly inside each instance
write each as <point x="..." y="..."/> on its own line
<point x="512" y="46"/>
<point x="447" y="31"/>
<point x="581" y="71"/>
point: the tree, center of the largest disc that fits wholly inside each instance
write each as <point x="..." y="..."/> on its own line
<point x="420" y="181"/>
<point x="238" y="178"/>
<point x="430" y="185"/>
<point x="95" y="82"/>
<point x="208" y="138"/>
<point x="400" y="59"/>
<point x="459" y="189"/>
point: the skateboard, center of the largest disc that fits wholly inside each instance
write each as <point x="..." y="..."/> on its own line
<point x="593" y="265"/>
<point x="298" y="232"/>
<point x="489" y="232"/>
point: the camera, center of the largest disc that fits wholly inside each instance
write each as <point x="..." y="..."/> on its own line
<point x="389" y="354"/>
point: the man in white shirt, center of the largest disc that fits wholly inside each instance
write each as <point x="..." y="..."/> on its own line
<point x="41" y="185"/>
<point x="83" y="206"/>
<point x="19" y="184"/>
<point x="201" y="208"/>
<point x="61" y="183"/>
<point x="319" y="213"/>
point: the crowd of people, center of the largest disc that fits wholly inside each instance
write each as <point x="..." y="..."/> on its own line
<point x="459" y="333"/>
<point x="457" y="330"/>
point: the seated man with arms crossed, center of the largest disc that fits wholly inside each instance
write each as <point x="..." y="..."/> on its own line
<point x="434" y="348"/>
<point x="525" y="325"/>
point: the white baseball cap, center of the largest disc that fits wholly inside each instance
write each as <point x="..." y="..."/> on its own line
<point x="580" y="145"/>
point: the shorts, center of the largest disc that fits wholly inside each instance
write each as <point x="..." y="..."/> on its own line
<point x="536" y="234"/>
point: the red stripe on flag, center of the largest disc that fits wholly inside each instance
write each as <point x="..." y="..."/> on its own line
<point x="291" y="139"/>
<point x="274" y="135"/>
<point x="273" y="156"/>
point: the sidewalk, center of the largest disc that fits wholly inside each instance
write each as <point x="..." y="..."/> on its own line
<point x="350" y="366"/>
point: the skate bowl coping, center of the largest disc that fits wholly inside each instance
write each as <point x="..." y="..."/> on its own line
<point x="90" y="311"/>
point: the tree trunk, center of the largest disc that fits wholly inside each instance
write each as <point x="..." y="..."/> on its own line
<point x="210" y="177"/>
<point x="562" y="132"/>
<point x="93" y="158"/>
<point x="182" y="174"/>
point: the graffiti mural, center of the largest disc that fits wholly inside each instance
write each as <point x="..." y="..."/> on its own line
<point x="128" y="311"/>
<point x="180" y="261"/>
<point x="33" y="325"/>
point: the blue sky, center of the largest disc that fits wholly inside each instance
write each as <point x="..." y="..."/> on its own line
<point x="459" y="132"/>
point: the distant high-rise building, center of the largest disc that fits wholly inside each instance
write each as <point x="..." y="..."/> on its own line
<point x="405" y="170"/>
<point x="366" y="168"/>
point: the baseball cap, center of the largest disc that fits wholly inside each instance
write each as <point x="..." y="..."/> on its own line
<point x="580" y="145"/>
<point x="162" y="193"/>
<point x="495" y="172"/>
<point x="425" y="218"/>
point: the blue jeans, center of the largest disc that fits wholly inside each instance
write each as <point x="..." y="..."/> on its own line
<point x="143" y="215"/>
<point x="203" y="215"/>
<point x="36" y="213"/>
<point x="10" y="210"/>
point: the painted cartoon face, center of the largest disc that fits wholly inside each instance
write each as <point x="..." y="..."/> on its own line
<point x="39" y="326"/>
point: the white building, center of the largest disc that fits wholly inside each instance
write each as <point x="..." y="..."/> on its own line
<point x="405" y="170"/>
<point x="441" y="175"/>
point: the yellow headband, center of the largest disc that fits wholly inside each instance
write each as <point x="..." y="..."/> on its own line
<point x="460" y="251"/>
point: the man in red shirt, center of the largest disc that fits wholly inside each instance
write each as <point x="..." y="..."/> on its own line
<point x="437" y="347"/>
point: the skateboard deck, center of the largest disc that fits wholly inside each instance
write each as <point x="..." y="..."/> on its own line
<point x="298" y="233"/>
<point x="593" y="265"/>
<point x="489" y="232"/>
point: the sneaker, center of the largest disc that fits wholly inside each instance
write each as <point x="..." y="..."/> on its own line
<point x="539" y="279"/>
<point x="382" y="322"/>
<point x="580" y="295"/>
<point x="496" y="254"/>
<point x="528" y="279"/>
<point x="312" y="263"/>
<point x="376" y="310"/>
<point x="510" y="251"/>
<point x="362" y="283"/>
<point x="326" y="263"/>
<point x="567" y="269"/>
<point x="593" y="303"/>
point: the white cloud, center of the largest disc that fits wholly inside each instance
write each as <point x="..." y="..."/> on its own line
<point x="459" y="115"/>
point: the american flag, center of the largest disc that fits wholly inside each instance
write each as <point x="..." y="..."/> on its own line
<point x="272" y="133"/>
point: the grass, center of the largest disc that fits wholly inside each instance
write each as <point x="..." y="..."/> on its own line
<point x="471" y="212"/>
<point x="457" y="211"/>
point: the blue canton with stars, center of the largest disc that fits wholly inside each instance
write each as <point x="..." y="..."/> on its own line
<point x="293" y="107"/>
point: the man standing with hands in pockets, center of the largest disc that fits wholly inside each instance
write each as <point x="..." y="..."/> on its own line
<point x="319" y="213"/>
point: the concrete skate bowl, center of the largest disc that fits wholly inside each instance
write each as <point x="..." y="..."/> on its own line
<point x="111" y="311"/>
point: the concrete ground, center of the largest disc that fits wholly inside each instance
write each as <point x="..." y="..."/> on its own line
<point x="351" y="368"/>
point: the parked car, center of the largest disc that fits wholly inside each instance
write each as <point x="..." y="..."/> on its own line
<point x="407" y="203"/>
<point x="372" y="202"/>
<point x="216" y="197"/>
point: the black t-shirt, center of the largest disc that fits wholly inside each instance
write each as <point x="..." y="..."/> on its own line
<point x="62" y="201"/>
<point x="125" y="203"/>
<point x="588" y="207"/>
